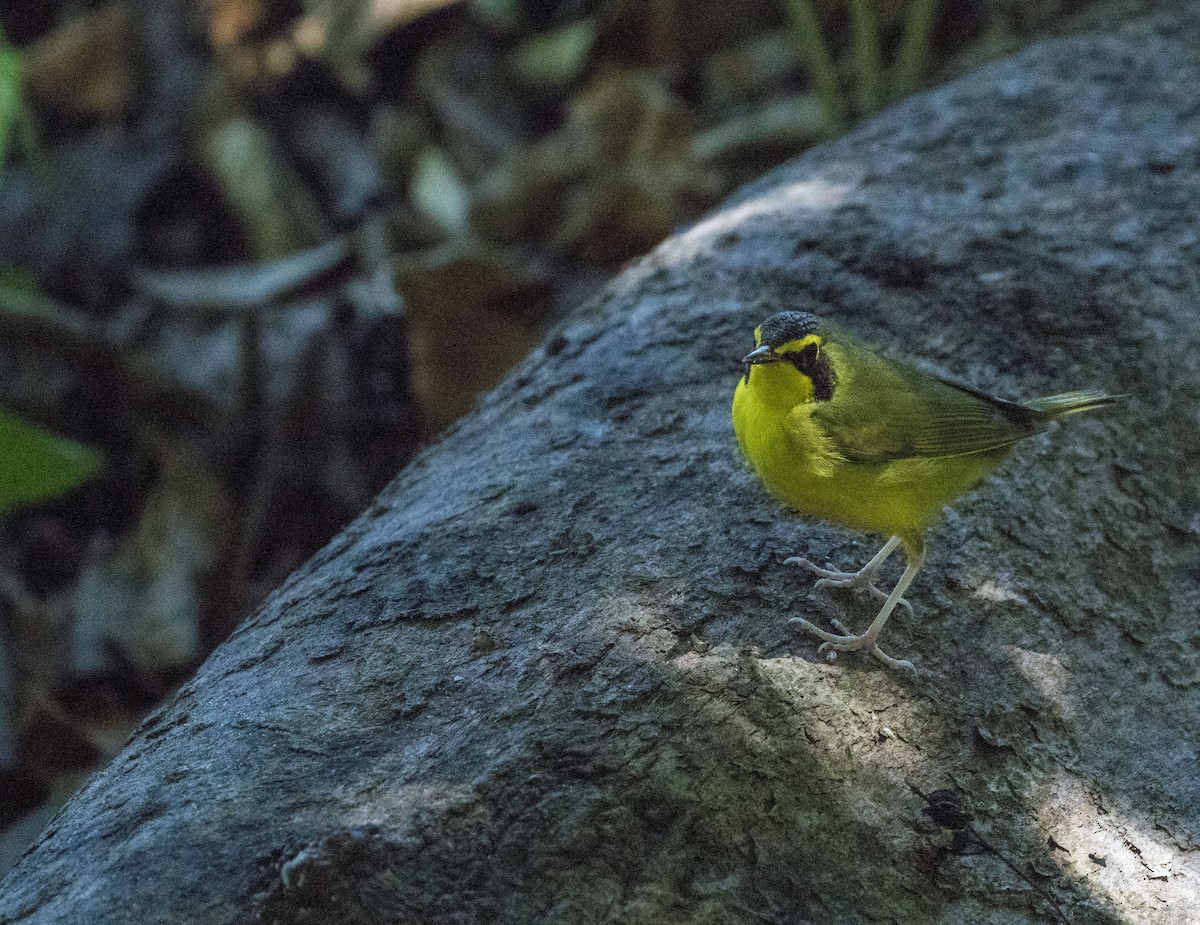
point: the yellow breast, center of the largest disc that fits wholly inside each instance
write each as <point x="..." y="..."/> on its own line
<point x="799" y="464"/>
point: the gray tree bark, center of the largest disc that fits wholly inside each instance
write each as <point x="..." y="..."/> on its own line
<point x="548" y="676"/>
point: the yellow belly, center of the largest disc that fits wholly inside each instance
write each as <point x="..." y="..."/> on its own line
<point x="897" y="498"/>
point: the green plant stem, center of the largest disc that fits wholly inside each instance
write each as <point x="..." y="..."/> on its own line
<point x="810" y="44"/>
<point x="913" y="55"/>
<point x="868" y="59"/>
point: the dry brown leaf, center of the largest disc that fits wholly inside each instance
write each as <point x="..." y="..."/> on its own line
<point x="342" y="32"/>
<point x="472" y="313"/>
<point x="144" y="598"/>
<point x="85" y="66"/>
<point x="234" y="22"/>
<point x="617" y="178"/>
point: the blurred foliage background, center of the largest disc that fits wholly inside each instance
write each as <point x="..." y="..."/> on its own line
<point x="255" y="253"/>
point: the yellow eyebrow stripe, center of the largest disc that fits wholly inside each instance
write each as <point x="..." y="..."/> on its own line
<point x="794" y="346"/>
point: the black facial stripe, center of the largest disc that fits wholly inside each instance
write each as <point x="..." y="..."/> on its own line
<point x="815" y="365"/>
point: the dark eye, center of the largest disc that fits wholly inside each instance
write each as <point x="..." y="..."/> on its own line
<point x="815" y="365"/>
<point x="804" y="360"/>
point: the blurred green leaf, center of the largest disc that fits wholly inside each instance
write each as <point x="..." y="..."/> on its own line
<point x="10" y="99"/>
<point x="787" y="125"/>
<point x="555" y="58"/>
<point x="242" y="157"/>
<point x="35" y="464"/>
<point x="502" y="14"/>
<point x="17" y="128"/>
<point x="19" y="293"/>
<point x="439" y="192"/>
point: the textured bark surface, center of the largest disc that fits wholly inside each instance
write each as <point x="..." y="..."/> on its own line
<point x="548" y="676"/>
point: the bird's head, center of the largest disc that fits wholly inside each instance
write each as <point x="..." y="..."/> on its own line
<point x="792" y="343"/>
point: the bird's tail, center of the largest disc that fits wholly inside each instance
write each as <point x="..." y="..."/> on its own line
<point x="1057" y="406"/>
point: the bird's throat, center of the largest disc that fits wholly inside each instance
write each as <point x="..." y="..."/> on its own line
<point x="780" y="385"/>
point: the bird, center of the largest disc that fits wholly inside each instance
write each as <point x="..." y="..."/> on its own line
<point x="838" y="431"/>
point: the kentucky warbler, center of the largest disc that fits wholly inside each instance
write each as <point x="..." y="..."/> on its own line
<point x="840" y="432"/>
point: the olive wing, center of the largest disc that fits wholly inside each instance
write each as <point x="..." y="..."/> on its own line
<point x="882" y="411"/>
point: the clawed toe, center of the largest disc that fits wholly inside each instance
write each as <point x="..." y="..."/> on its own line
<point x="826" y="574"/>
<point x="882" y="596"/>
<point x="857" y="582"/>
<point x="863" y="580"/>
<point x="845" y="641"/>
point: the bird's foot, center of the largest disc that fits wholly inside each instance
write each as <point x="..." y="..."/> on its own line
<point x="855" y="581"/>
<point x="845" y="641"/>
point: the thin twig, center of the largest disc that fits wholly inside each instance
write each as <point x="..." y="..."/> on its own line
<point x="244" y="288"/>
